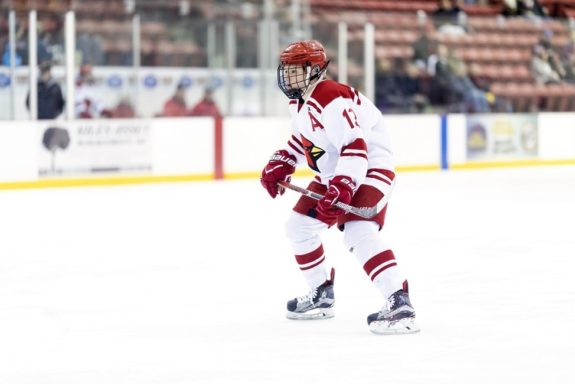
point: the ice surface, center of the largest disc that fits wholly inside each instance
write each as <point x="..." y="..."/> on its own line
<point x="187" y="283"/>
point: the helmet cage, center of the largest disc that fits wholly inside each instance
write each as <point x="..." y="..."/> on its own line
<point x="295" y="86"/>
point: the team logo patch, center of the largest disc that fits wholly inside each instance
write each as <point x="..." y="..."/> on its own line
<point x="312" y="153"/>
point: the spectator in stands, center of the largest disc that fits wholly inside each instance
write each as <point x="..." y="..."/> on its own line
<point x="447" y="9"/>
<point x="531" y="8"/>
<point x="176" y="106"/>
<point x="409" y="81"/>
<point x="498" y="104"/>
<point x="424" y="46"/>
<point x="568" y="60"/>
<point x="482" y="82"/>
<point x="206" y="106"/>
<point x="546" y="41"/>
<point x="90" y="47"/>
<point x="478" y="77"/>
<point x="50" y="100"/>
<point x="569" y="65"/>
<point x="542" y="70"/>
<point x="399" y="87"/>
<point x="510" y="8"/>
<point x="452" y="85"/>
<point x="569" y="47"/>
<point x="123" y="110"/>
<point x="88" y="103"/>
<point x="441" y="68"/>
<point x="467" y="97"/>
<point x="525" y="8"/>
<point x="450" y="18"/>
<point x="22" y="47"/>
<point x="387" y="96"/>
<point x="51" y="35"/>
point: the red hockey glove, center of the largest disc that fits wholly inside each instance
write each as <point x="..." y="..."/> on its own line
<point x="340" y="189"/>
<point x="279" y="168"/>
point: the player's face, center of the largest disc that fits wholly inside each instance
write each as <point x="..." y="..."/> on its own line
<point x="294" y="76"/>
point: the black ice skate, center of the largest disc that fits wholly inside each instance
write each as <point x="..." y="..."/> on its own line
<point x="317" y="304"/>
<point x="396" y="317"/>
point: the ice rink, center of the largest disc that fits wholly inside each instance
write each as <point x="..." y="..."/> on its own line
<point x="187" y="283"/>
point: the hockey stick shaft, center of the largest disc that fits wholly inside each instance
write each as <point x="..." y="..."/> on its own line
<point x="364" y="212"/>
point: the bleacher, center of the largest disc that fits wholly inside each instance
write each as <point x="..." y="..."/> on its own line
<point x="111" y="22"/>
<point x="493" y="47"/>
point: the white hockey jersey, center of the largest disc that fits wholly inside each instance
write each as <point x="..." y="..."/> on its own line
<point x="338" y="131"/>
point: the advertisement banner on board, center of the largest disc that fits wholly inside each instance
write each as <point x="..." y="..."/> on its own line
<point x="502" y="137"/>
<point x="92" y="147"/>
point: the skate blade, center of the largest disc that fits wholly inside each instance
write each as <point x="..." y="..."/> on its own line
<point x="315" y="314"/>
<point x="400" y="327"/>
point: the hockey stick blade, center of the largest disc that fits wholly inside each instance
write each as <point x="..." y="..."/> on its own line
<point x="364" y="212"/>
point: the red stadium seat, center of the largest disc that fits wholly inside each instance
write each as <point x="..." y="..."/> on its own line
<point x="482" y="10"/>
<point x="153" y="29"/>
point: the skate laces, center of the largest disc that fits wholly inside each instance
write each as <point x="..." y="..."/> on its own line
<point x="309" y="296"/>
<point x="389" y="304"/>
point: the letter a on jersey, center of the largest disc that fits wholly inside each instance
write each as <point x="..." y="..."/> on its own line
<point x="314" y="122"/>
<point x="312" y="153"/>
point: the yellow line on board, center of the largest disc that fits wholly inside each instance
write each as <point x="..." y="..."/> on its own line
<point x="417" y="168"/>
<point x="510" y="163"/>
<point x="102" y="181"/>
<point x="242" y="175"/>
<point x="126" y="180"/>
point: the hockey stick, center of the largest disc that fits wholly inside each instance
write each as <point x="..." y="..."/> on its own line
<point x="364" y="212"/>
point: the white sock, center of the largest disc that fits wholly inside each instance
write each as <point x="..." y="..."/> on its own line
<point x="303" y="234"/>
<point x="312" y="265"/>
<point x="377" y="260"/>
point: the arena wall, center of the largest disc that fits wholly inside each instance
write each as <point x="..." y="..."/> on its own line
<point x="183" y="149"/>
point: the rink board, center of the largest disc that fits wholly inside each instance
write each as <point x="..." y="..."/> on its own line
<point x="106" y="152"/>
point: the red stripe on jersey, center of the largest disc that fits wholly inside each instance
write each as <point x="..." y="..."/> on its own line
<point x="328" y="90"/>
<point x="310" y="257"/>
<point x="357" y="144"/>
<point x="377" y="260"/>
<point x="314" y="265"/>
<point x="292" y="102"/>
<point x="379" y="178"/>
<point x="377" y="172"/>
<point x="292" y="146"/>
<point x="354" y="155"/>
<point x="356" y="148"/>
<point x="297" y="140"/>
<point x="311" y="103"/>
<point x="318" y="179"/>
<point x="357" y="99"/>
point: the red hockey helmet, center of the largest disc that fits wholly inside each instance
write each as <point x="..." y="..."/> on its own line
<point x="309" y="55"/>
<point x="304" y="52"/>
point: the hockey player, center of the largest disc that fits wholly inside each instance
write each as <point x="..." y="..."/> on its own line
<point x="338" y="132"/>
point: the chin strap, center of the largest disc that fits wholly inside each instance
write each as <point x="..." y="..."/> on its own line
<point x="320" y="72"/>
